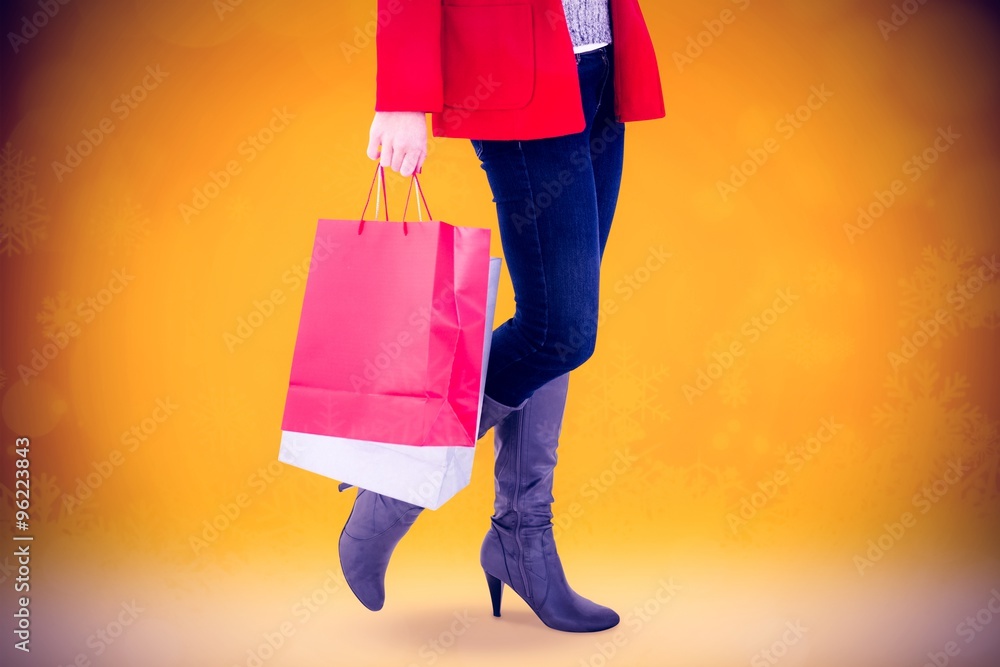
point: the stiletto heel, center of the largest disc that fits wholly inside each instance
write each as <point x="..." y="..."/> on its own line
<point x="520" y="541"/>
<point x="496" y="592"/>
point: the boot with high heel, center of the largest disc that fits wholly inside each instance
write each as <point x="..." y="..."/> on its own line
<point x="377" y="523"/>
<point x="519" y="549"/>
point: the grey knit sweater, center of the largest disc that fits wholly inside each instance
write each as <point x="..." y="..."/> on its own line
<point x="588" y="21"/>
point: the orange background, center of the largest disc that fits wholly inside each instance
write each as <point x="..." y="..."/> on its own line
<point x="718" y="498"/>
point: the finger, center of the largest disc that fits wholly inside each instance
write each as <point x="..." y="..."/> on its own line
<point x="386" y="158"/>
<point x="373" y="146"/>
<point x="398" y="157"/>
<point x="409" y="164"/>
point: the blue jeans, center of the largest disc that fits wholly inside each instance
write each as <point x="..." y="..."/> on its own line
<point x="555" y="199"/>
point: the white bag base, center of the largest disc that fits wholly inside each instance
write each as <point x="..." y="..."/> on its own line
<point x="425" y="476"/>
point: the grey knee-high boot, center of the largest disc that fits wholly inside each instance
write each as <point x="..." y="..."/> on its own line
<point x="377" y="523"/>
<point x="519" y="549"/>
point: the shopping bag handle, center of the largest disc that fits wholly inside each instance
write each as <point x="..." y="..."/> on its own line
<point x="380" y="175"/>
<point x="420" y="191"/>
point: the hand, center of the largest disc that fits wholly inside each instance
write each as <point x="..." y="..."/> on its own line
<point x="402" y="136"/>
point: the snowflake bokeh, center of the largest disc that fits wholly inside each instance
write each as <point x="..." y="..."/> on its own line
<point x="936" y="283"/>
<point x="626" y="396"/>
<point x="57" y="311"/>
<point x="925" y="420"/>
<point x="120" y="225"/>
<point x="23" y="218"/>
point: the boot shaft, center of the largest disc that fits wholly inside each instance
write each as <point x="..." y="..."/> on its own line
<point x="525" y="445"/>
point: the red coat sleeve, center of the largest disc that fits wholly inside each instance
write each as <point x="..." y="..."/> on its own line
<point x="408" y="42"/>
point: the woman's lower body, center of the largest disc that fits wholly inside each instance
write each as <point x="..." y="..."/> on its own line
<point x="555" y="200"/>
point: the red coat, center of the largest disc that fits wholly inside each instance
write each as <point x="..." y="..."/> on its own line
<point x="504" y="69"/>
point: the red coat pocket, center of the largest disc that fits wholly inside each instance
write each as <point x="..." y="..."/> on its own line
<point x="488" y="56"/>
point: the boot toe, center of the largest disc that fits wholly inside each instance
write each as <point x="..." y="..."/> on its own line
<point x="367" y="584"/>
<point x="606" y="618"/>
<point x="376" y="525"/>
<point x="594" y="618"/>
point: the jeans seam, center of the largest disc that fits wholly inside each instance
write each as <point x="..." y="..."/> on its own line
<point x="541" y="266"/>
<point x="604" y="82"/>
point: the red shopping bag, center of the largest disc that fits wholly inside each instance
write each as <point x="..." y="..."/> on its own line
<point x="391" y="350"/>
